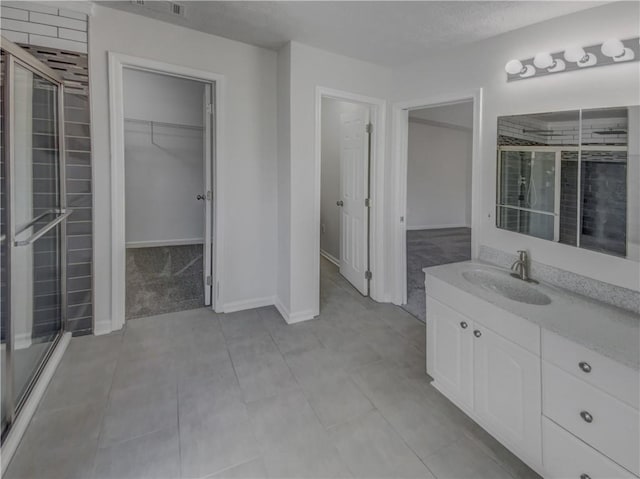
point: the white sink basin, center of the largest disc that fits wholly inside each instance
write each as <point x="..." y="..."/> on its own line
<point x="504" y="284"/>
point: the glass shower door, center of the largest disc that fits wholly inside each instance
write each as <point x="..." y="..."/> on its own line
<point x="33" y="236"/>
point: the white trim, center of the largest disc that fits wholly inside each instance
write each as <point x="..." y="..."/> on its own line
<point x="248" y="304"/>
<point x="330" y="257"/>
<point x="376" y="240"/>
<point x="117" y="62"/>
<point x="438" y="227"/>
<point x="102" y="327"/>
<point x="400" y="123"/>
<point x="295" y="317"/>
<point x="22" y="341"/>
<point x="153" y="244"/>
<point x="19" y="427"/>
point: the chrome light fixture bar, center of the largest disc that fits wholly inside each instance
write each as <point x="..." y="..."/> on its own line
<point x="574" y="57"/>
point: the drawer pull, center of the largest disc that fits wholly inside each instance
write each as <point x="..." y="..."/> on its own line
<point x="586" y="367"/>
<point x="586" y="416"/>
<point x="463" y="324"/>
<point x="585" y="476"/>
<point x="477" y="333"/>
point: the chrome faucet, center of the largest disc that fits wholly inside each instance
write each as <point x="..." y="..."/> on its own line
<point x="521" y="267"/>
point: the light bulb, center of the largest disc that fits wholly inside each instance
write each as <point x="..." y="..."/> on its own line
<point x="513" y="67"/>
<point x="543" y="60"/>
<point x="613" y="48"/>
<point x="574" y="54"/>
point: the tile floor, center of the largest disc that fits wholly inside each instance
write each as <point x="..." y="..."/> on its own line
<point x="243" y="395"/>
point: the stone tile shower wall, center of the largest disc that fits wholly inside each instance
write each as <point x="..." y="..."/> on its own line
<point x="58" y="38"/>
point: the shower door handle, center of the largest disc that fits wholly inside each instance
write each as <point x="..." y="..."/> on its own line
<point x="64" y="214"/>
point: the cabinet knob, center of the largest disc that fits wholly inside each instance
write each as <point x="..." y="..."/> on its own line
<point x="586" y="367"/>
<point x="463" y="324"/>
<point x="340" y="203"/>
<point x="477" y="333"/>
<point x="586" y="416"/>
<point x="585" y="476"/>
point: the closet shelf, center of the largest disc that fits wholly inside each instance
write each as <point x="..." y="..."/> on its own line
<point x="163" y="123"/>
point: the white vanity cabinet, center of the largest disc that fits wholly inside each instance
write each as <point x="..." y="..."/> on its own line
<point x="507" y="390"/>
<point x="496" y="381"/>
<point x="450" y="352"/>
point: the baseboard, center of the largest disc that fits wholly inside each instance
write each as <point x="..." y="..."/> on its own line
<point x="102" y="327"/>
<point x="437" y="227"/>
<point x="330" y="257"/>
<point x="22" y="341"/>
<point x="29" y="408"/>
<point x="295" y="317"/>
<point x="248" y="304"/>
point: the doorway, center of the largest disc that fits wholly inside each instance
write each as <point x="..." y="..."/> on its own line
<point x="166" y="232"/>
<point x="437" y="146"/>
<point x="167" y="146"/>
<point x="345" y="217"/>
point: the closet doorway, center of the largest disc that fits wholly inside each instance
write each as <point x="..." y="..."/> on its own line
<point x="167" y="138"/>
<point x="164" y="199"/>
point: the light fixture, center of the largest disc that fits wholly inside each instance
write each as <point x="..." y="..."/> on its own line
<point x="545" y="61"/>
<point x="577" y="55"/>
<point x="574" y="57"/>
<point x="515" y="67"/>
<point x="616" y="50"/>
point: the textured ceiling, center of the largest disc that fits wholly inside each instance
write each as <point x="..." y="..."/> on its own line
<point x="386" y="32"/>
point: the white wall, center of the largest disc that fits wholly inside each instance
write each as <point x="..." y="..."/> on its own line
<point x="481" y="65"/>
<point x="457" y="114"/>
<point x="438" y="176"/>
<point x="330" y="174"/>
<point x="247" y="164"/>
<point x="163" y="171"/>
<point x="310" y="68"/>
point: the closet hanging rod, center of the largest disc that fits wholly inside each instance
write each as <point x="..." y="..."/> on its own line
<point x="163" y="123"/>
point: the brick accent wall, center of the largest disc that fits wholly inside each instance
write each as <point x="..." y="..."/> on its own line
<point x="58" y="38"/>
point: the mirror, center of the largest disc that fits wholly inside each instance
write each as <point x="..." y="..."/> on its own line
<point x="572" y="177"/>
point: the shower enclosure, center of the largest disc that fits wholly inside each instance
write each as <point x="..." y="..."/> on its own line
<point x="33" y="214"/>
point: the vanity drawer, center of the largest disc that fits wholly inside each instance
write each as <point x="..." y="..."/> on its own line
<point x="600" y="420"/>
<point x="612" y="377"/>
<point x="566" y="457"/>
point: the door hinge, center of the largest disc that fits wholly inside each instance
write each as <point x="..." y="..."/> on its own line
<point x="367" y="202"/>
<point x="210" y="108"/>
<point x="208" y="280"/>
<point x="368" y="274"/>
<point x="369" y="128"/>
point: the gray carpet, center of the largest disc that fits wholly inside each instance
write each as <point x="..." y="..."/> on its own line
<point x="431" y="248"/>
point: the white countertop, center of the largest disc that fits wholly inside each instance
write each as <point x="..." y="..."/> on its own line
<point x="610" y="331"/>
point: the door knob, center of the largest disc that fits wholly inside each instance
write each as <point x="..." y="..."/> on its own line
<point x="340" y="203"/>
<point x="201" y="197"/>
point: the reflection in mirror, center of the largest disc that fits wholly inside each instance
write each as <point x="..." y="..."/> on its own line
<point x="562" y="176"/>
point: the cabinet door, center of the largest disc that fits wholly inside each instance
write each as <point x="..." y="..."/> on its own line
<point x="450" y="351"/>
<point x="508" y="391"/>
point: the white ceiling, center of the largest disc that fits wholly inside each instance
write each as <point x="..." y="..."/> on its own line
<point x="385" y="32"/>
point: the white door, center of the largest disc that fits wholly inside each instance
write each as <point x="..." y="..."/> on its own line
<point x="507" y="391"/>
<point x="450" y="351"/>
<point x="209" y="138"/>
<point x="354" y="182"/>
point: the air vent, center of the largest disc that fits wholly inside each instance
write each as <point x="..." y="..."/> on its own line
<point x="176" y="9"/>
